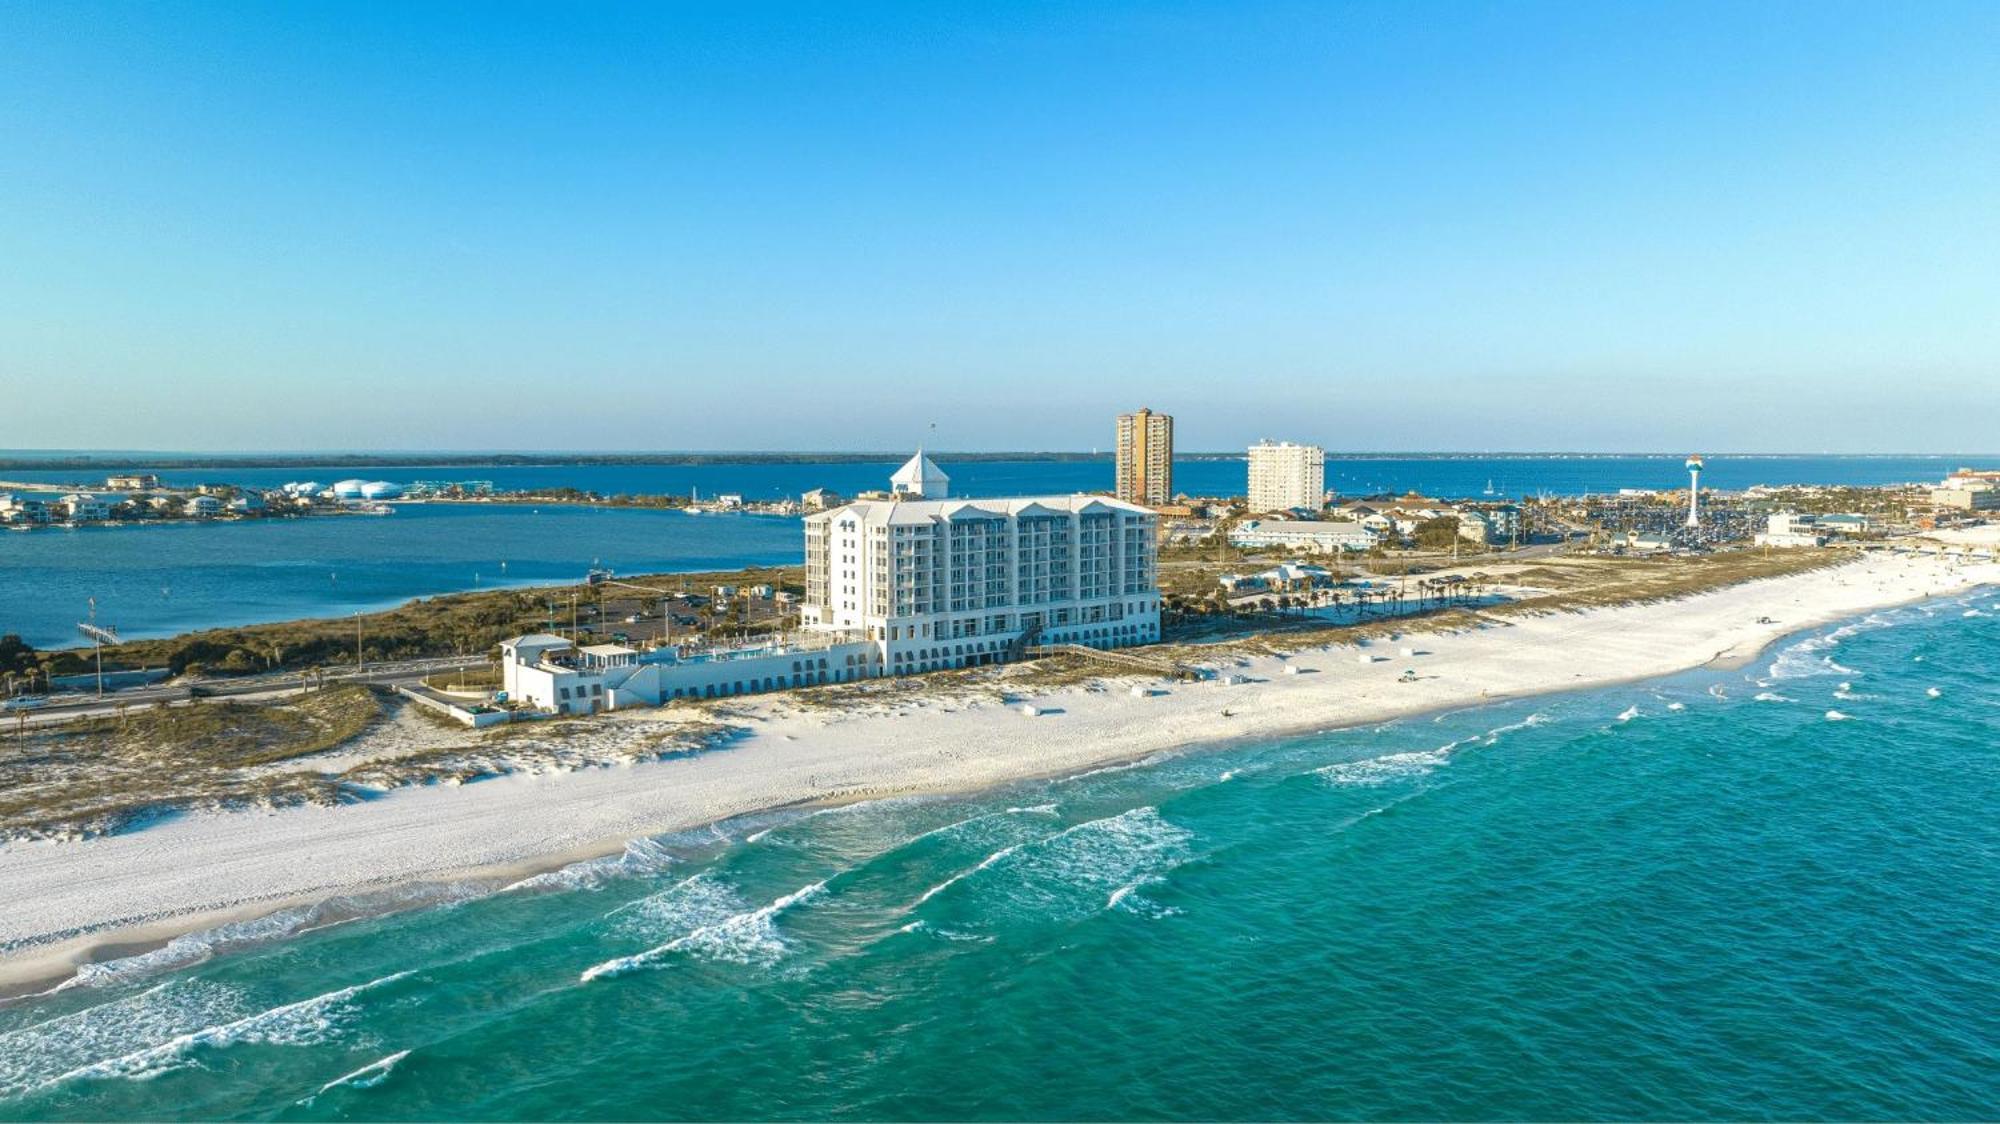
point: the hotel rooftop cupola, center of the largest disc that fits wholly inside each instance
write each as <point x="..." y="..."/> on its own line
<point x="920" y="479"/>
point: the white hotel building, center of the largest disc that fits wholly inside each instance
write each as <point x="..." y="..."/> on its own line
<point x="935" y="582"/>
<point x="916" y="582"/>
<point x="1284" y="476"/>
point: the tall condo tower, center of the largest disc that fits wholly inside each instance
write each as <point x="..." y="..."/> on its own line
<point x="1285" y="476"/>
<point x="1694" y="491"/>
<point x="1145" y="457"/>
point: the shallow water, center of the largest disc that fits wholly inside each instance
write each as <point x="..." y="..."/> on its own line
<point x="1723" y="905"/>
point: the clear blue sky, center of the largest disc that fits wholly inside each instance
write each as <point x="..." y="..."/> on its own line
<point x="1599" y="226"/>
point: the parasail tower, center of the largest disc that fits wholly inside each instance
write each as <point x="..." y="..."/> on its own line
<point x="1694" y="491"/>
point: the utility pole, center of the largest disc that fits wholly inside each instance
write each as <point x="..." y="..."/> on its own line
<point x="97" y="636"/>
<point x="357" y="641"/>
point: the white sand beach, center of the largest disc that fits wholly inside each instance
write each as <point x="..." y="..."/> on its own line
<point x="67" y="902"/>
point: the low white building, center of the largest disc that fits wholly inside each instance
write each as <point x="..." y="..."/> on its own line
<point x="1303" y="534"/>
<point x="204" y="506"/>
<point x="555" y="675"/>
<point x="1790" y="529"/>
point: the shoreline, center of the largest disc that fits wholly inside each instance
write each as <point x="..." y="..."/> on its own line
<point x="129" y="894"/>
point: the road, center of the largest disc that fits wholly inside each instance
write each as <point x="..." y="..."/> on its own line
<point x="68" y="706"/>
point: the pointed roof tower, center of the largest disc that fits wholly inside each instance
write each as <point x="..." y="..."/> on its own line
<point x="920" y="479"/>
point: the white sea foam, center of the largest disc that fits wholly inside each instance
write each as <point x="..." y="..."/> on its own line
<point x="1371" y="771"/>
<point x="1933" y="692"/>
<point x="1773" y="696"/>
<point x="1836" y="716"/>
<point x="1676" y="706"/>
<point x="1628" y="714"/>
<point x="641" y="856"/>
<point x="1078" y="870"/>
<point x="750" y="937"/>
<point x="692" y="903"/>
<point x="193" y="948"/>
<point x="983" y="864"/>
<point x="1974" y="613"/>
<point x="35" y="1055"/>
<point x="307" y="1022"/>
<point x="1808" y="658"/>
<point x="1496" y="733"/>
<point x="367" y="1077"/>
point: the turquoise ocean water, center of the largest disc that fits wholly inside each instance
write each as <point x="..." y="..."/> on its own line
<point x="1707" y="896"/>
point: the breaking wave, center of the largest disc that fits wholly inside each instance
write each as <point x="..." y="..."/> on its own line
<point x="308" y="1022"/>
<point x="1090" y="866"/>
<point x="749" y="937"/>
<point x="367" y="1077"/>
<point x="1371" y="771"/>
<point x="194" y="948"/>
<point x="641" y="856"/>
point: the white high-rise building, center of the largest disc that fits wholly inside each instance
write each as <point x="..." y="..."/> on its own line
<point x="938" y="583"/>
<point x="1284" y="476"/>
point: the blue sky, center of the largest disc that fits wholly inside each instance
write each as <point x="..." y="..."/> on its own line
<point x="1593" y="226"/>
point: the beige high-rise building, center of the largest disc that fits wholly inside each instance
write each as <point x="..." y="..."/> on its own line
<point x="1146" y="457"/>
<point x="1285" y="476"/>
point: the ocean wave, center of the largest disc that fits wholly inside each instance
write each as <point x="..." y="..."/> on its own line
<point x="1773" y="696"/>
<point x="367" y="1077"/>
<point x="998" y="856"/>
<point x="749" y="937"/>
<point x="1369" y="772"/>
<point x="1807" y="659"/>
<point x="308" y="1022"/>
<point x="37" y="1054"/>
<point x="197" y="947"/>
<point x="193" y="948"/>
<point x="692" y="903"/>
<point x="1077" y="871"/>
<point x="641" y="856"/>
<point x="1628" y="714"/>
<point x="1492" y="736"/>
<point x="1836" y="716"/>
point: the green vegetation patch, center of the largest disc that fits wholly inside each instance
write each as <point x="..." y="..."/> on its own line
<point x="103" y="774"/>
